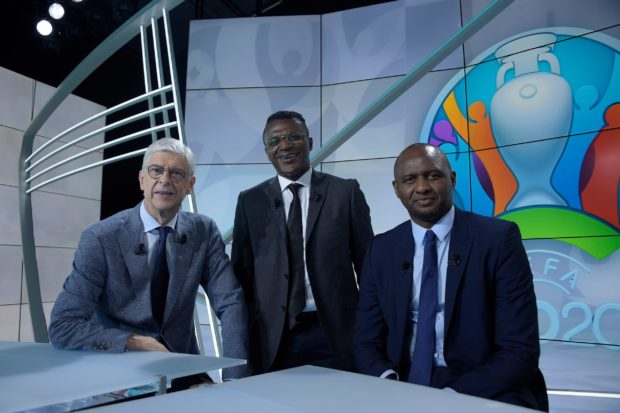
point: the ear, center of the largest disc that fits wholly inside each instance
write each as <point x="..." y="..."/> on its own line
<point x="453" y="179"/>
<point x="394" y="187"/>
<point x="309" y="143"/>
<point x="192" y="181"/>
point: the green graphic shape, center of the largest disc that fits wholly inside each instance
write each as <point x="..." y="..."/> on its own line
<point x="577" y="228"/>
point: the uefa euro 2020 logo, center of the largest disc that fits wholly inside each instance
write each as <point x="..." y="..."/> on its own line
<point x="533" y="133"/>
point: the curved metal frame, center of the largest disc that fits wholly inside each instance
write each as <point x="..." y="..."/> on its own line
<point x="28" y="159"/>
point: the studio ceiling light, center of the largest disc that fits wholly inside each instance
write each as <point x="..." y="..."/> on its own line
<point x="44" y="27"/>
<point x="56" y="11"/>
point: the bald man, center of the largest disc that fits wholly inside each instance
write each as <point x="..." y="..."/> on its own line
<point x="447" y="297"/>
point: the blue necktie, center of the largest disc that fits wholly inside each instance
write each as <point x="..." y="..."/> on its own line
<point x="160" y="276"/>
<point x="297" y="276"/>
<point x="424" y="350"/>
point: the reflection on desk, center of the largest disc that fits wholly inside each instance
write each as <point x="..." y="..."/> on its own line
<point x="313" y="389"/>
<point x="34" y="375"/>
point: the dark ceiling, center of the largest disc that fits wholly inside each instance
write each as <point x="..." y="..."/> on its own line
<point x="86" y="24"/>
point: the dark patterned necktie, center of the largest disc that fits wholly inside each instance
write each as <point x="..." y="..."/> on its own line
<point x="160" y="274"/>
<point x="297" y="291"/>
<point x="424" y="350"/>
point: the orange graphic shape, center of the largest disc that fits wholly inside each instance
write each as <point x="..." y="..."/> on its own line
<point x="482" y="141"/>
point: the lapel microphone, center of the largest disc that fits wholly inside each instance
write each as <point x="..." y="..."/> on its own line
<point x="140" y="249"/>
<point x="405" y="266"/>
<point x="182" y="239"/>
<point x="454" y="259"/>
<point x="276" y="203"/>
<point x="316" y="197"/>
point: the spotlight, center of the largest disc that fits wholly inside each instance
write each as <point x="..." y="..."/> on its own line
<point x="56" y="11"/>
<point x="77" y="1"/>
<point x="44" y="27"/>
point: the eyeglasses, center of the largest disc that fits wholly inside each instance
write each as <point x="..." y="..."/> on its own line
<point x="176" y="175"/>
<point x="294" y="137"/>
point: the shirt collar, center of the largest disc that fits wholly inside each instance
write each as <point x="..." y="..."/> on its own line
<point x="441" y="228"/>
<point x="304" y="180"/>
<point x="151" y="223"/>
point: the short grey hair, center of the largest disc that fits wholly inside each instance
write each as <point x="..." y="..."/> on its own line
<point x="170" y="145"/>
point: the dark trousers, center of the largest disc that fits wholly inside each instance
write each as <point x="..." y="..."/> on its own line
<point x="183" y="383"/>
<point x="305" y="343"/>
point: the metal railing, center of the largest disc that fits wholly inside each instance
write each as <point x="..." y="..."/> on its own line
<point x="164" y="114"/>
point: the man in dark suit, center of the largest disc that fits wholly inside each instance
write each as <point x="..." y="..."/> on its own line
<point x="456" y="311"/>
<point x="133" y="288"/>
<point x="294" y="251"/>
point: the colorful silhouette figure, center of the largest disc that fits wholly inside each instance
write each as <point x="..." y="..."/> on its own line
<point x="600" y="171"/>
<point x="479" y="135"/>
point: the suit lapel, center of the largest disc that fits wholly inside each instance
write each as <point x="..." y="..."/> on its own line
<point x="318" y="193"/>
<point x="403" y="281"/>
<point x="181" y="249"/>
<point x="276" y="215"/>
<point x="460" y="245"/>
<point x="133" y="246"/>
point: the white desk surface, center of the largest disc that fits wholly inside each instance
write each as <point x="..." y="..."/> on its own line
<point x="312" y="389"/>
<point x="34" y="375"/>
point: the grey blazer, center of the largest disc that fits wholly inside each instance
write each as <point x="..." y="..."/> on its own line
<point x="107" y="296"/>
<point x="338" y="231"/>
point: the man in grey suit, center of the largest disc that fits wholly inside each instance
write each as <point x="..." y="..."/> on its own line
<point x="133" y="286"/>
<point x="299" y="283"/>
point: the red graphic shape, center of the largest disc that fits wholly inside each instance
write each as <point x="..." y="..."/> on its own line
<point x="600" y="172"/>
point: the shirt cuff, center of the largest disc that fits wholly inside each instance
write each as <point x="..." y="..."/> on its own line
<point x="387" y="373"/>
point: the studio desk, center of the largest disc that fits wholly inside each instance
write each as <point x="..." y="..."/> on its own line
<point x="313" y="390"/>
<point x="37" y="377"/>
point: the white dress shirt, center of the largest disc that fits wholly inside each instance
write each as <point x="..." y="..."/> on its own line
<point x="304" y="197"/>
<point x="442" y="230"/>
<point x="150" y="228"/>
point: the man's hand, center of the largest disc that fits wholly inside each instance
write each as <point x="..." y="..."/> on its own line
<point x="137" y="342"/>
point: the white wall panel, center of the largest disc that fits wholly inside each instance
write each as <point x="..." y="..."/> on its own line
<point x="16" y="102"/>
<point x="429" y="24"/>
<point x="10" y="232"/>
<point x="86" y="184"/>
<point x="375" y="178"/>
<point x="387" y="39"/>
<point x="226" y="126"/>
<point x="218" y="186"/>
<point x="10" y="274"/>
<point x="59" y="218"/>
<point x="268" y="51"/>
<point x="72" y="110"/>
<point x="11" y="140"/>
<point x="9" y="322"/>
<point x="55" y="264"/>
<point x="54" y="225"/>
<point x="25" y="328"/>
<point x="525" y="15"/>
<point x="399" y="125"/>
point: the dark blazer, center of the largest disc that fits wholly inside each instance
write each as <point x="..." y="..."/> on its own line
<point x="107" y="296"/>
<point x="338" y="231"/>
<point x="491" y="345"/>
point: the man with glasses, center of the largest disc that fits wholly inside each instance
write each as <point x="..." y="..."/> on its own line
<point x="298" y="238"/>
<point x="135" y="274"/>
